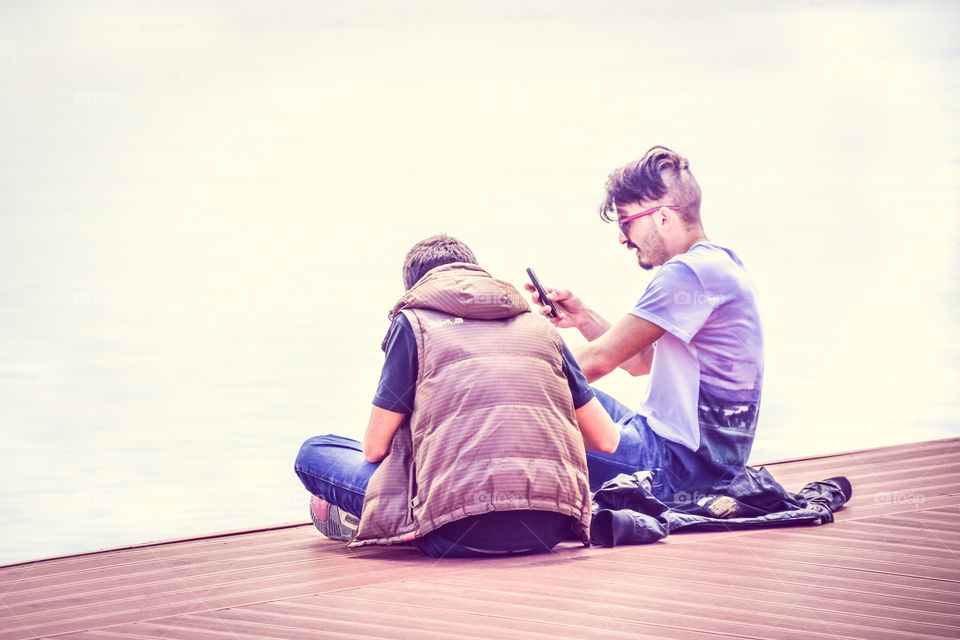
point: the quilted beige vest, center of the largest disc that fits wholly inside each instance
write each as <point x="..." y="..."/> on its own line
<point x="493" y="424"/>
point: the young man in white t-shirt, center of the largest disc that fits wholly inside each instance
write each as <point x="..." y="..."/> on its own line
<point x="695" y="330"/>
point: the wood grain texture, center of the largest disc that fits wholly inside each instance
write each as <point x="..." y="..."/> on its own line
<point x="887" y="568"/>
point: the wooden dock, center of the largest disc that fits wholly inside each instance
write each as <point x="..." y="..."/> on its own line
<point x="888" y="568"/>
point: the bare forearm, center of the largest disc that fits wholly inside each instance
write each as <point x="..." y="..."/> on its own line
<point x="626" y="344"/>
<point x="598" y="430"/>
<point x="640" y="364"/>
<point x="592" y="362"/>
<point x="380" y="430"/>
<point x="593" y="326"/>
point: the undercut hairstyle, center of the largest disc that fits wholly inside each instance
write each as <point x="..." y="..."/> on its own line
<point x="433" y="252"/>
<point x="659" y="172"/>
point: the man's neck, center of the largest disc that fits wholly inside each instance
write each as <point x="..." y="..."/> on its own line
<point x="688" y="241"/>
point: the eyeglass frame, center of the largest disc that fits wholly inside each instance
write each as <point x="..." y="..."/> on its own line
<point x="625" y="222"/>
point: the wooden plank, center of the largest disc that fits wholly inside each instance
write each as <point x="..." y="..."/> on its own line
<point x="813" y="599"/>
<point x="887" y="568"/>
<point x="607" y="618"/>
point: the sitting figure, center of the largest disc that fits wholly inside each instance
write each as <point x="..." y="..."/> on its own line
<point x="476" y="441"/>
<point x="695" y="330"/>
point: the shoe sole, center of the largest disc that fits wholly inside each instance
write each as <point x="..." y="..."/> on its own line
<point x="330" y="525"/>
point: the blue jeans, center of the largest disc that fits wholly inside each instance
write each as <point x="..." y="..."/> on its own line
<point x="640" y="449"/>
<point x="333" y="468"/>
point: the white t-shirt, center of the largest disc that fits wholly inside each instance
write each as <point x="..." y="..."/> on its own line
<point x="707" y="368"/>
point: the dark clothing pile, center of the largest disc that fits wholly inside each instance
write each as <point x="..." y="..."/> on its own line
<point x="626" y="512"/>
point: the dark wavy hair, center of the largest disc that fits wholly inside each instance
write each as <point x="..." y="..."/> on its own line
<point x="434" y="251"/>
<point x="650" y="178"/>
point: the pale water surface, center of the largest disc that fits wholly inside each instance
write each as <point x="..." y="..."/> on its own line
<point x="204" y="207"/>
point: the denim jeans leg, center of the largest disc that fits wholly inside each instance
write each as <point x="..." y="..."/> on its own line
<point x="640" y="449"/>
<point x="333" y="468"/>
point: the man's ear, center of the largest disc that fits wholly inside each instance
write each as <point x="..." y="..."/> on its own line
<point x="665" y="218"/>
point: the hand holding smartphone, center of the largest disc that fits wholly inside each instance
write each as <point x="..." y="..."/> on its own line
<point x="542" y="293"/>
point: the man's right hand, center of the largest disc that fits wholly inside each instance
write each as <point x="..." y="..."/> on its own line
<point x="570" y="310"/>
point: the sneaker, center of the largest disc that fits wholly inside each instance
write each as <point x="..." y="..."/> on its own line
<point x="330" y="521"/>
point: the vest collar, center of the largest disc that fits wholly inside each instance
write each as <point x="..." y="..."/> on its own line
<point x="463" y="290"/>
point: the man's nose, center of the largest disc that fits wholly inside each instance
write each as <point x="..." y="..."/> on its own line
<point x="623" y="239"/>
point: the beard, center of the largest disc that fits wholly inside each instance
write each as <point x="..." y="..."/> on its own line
<point x="652" y="254"/>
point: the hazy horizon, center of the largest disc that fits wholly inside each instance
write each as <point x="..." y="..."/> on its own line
<point x="204" y="207"/>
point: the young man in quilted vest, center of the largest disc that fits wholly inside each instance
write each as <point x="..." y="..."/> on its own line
<point x="476" y="440"/>
<point x="695" y="330"/>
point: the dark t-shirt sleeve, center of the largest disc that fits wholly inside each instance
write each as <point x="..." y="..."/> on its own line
<point x="398" y="378"/>
<point x="581" y="391"/>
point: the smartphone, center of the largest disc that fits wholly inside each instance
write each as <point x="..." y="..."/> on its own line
<point x="541" y="292"/>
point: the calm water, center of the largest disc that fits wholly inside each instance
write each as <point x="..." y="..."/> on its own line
<point x="204" y="207"/>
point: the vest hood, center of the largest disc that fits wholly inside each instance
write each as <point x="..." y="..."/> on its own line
<point x="463" y="290"/>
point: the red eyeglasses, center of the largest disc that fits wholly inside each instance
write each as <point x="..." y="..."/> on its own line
<point x="625" y="222"/>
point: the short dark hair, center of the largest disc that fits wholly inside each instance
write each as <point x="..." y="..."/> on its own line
<point x="650" y="178"/>
<point x="434" y="251"/>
